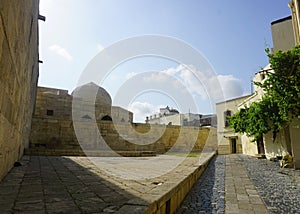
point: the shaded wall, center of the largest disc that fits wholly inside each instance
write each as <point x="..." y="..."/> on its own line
<point x="18" y="77"/>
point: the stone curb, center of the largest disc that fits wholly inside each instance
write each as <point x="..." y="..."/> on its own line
<point x="175" y="192"/>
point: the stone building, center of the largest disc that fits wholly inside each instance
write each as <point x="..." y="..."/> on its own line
<point x="57" y="104"/>
<point x="104" y="129"/>
<point x="19" y="68"/>
<point x="228" y="141"/>
<point x="285" y="33"/>
<point x="295" y="9"/>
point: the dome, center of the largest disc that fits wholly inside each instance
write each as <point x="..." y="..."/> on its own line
<point x="88" y="91"/>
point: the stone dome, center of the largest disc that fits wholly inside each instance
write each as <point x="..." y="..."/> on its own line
<point x="87" y="92"/>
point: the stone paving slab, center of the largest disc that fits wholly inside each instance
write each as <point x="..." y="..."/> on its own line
<point x="49" y="184"/>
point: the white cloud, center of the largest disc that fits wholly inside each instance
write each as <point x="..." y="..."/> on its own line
<point x="61" y="52"/>
<point x="142" y="109"/>
<point x="202" y="84"/>
<point x="231" y="86"/>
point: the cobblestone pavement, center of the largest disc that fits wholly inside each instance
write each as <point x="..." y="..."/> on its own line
<point x="251" y="186"/>
<point x="279" y="188"/>
<point x="207" y="195"/>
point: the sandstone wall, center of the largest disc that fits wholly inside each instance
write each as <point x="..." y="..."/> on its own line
<point x="57" y="134"/>
<point x="18" y="77"/>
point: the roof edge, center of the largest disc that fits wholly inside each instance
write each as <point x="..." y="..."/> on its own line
<point x="281" y="20"/>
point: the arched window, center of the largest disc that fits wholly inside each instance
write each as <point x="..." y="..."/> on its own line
<point x="106" y="118"/>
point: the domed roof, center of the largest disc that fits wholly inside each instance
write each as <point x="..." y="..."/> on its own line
<point x="87" y="93"/>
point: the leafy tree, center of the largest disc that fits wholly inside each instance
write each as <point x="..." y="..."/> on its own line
<point x="281" y="101"/>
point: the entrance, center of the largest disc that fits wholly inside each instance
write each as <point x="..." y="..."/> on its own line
<point x="233" y="145"/>
<point x="260" y="146"/>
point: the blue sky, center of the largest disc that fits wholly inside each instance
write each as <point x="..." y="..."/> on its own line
<point x="232" y="35"/>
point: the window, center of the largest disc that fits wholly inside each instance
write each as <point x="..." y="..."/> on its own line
<point x="86" y="117"/>
<point x="50" y="112"/>
<point x="106" y="118"/>
<point x="227" y="114"/>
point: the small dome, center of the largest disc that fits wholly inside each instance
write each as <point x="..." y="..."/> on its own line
<point x="88" y="91"/>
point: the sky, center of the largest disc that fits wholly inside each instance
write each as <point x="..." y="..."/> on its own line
<point x="231" y="36"/>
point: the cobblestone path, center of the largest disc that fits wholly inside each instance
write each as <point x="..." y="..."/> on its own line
<point x="279" y="188"/>
<point x="243" y="184"/>
<point x="207" y="195"/>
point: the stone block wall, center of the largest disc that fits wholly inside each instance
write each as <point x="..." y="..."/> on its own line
<point x="57" y="134"/>
<point x="18" y="77"/>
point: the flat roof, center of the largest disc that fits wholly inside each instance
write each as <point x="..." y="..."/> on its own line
<point x="234" y="99"/>
<point x="281" y="20"/>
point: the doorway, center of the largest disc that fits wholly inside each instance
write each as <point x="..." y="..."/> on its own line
<point x="260" y="146"/>
<point x="233" y="145"/>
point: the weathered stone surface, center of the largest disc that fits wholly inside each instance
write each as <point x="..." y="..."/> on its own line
<point x="76" y="185"/>
<point x="18" y="77"/>
<point x="49" y="137"/>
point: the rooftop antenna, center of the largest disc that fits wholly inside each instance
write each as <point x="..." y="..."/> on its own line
<point x="251" y="87"/>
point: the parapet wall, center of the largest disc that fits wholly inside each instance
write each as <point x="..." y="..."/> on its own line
<point x="18" y="77"/>
<point x="58" y="134"/>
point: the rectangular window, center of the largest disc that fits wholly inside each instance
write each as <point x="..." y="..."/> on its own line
<point x="50" y="112"/>
<point x="227" y="114"/>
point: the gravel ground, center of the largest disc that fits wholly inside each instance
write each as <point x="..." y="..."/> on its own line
<point x="207" y="195"/>
<point x="278" y="187"/>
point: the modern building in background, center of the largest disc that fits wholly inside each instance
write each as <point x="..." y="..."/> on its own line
<point x="170" y="116"/>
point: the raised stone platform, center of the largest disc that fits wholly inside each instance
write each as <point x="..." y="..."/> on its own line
<point x="74" y="152"/>
<point x="52" y="184"/>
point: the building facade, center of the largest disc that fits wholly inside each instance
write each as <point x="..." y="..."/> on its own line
<point x="169" y="116"/>
<point x="19" y="69"/>
<point x="228" y="141"/>
<point x="285" y="34"/>
<point x="57" y="104"/>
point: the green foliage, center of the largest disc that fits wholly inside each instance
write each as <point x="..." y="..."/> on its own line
<point x="281" y="101"/>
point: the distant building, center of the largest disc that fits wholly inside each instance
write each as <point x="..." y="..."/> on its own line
<point x="57" y="103"/>
<point x="208" y="120"/>
<point x="169" y="116"/>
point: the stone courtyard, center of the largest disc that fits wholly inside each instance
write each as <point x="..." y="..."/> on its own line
<point x="61" y="184"/>
<point x="230" y="184"/>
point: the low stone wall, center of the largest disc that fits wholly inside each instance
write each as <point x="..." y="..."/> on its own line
<point x="58" y="135"/>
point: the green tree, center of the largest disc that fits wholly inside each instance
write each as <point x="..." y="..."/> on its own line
<point x="281" y="102"/>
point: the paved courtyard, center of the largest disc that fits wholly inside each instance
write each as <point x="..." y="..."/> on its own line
<point x="49" y="184"/>
<point x="242" y="184"/>
<point x="230" y="184"/>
